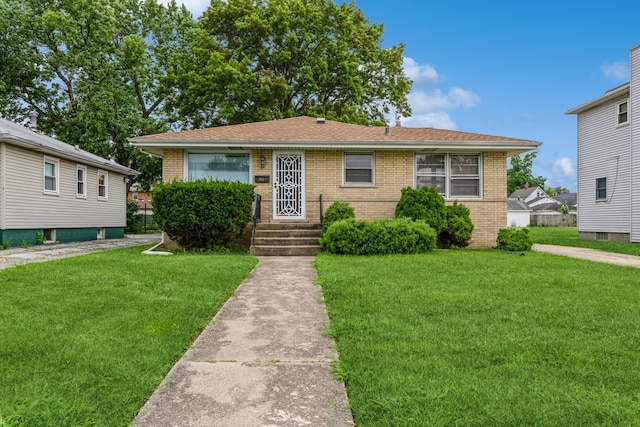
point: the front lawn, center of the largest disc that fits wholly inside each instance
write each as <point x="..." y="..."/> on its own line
<point x="86" y="340"/>
<point x="483" y="337"/>
<point x="568" y="236"/>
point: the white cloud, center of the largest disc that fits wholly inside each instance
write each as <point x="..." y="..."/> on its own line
<point x="440" y="120"/>
<point x="564" y="166"/>
<point x="617" y="72"/>
<point x="419" y="73"/>
<point x="422" y="102"/>
<point x="430" y="104"/>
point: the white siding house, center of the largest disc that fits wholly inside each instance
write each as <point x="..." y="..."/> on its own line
<point x="53" y="188"/>
<point x="609" y="162"/>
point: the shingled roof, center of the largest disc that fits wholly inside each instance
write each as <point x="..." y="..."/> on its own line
<point x="309" y="132"/>
<point x="19" y="135"/>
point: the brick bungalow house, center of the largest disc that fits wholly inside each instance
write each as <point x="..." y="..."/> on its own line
<point x="301" y="164"/>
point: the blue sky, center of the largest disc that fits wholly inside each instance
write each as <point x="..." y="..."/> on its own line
<point x="509" y="68"/>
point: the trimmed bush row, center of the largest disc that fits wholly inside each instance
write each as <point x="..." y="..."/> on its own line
<point x="378" y="237"/>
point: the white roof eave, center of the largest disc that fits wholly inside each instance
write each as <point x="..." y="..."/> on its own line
<point x="610" y="95"/>
<point x="80" y="157"/>
<point x="155" y="146"/>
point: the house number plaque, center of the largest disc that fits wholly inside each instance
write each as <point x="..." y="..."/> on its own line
<point x="261" y="178"/>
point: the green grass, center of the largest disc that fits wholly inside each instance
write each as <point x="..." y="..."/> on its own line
<point x="86" y="340"/>
<point x="483" y="337"/>
<point x="568" y="236"/>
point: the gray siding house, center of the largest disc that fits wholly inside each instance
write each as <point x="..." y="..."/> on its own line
<point x="609" y="162"/>
<point x="49" y="187"/>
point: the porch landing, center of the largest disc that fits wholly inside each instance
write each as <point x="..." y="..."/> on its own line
<point x="286" y="239"/>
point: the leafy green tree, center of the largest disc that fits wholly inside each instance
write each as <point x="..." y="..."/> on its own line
<point x="96" y="72"/>
<point x="261" y="60"/>
<point x="521" y="173"/>
<point x="561" y="190"/>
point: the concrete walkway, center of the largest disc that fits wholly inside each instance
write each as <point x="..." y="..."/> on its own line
<point x="39" y="253"/>
<point x="589" y="254"/>
<point x="264" y="360"/>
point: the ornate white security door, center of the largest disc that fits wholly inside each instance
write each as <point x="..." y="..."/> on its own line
<point x="288" y="185"/>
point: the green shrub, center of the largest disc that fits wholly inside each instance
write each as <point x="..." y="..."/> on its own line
<point x="40" y="239"/>
<point x="459" y="227"/>
<point x="202" y="214"/>
<point x="424" y="204"/>
<point x="337" y="212"/>
<point x="134" y="225"/>
<point x="514" y="239"/>
<point x="378" y="237"/>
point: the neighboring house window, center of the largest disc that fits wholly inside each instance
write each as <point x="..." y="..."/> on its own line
<point x="81" y="181"/>
<point x="623" y="115"/>
<point x="601" y="188"/>
<point x="358" y="168"/>
<point x="454" y="175"/>
<point x="51" y="183"/>
<point x="103" y="185"/>
<point x="135" y="195"/>
<point x="218" y="167"/>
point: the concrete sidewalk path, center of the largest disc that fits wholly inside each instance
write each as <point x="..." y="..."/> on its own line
<point x="264" y="360"/>
<point x="47" y="252"/>
<point x="589" y="254"/>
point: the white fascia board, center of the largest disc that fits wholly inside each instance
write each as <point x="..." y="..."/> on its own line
<point x="152" y="146"/>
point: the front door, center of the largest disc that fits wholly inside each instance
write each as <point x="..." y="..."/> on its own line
<point x="288" y="185"/>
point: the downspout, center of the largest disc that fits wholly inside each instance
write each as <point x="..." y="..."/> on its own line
<point x="151" y="251"/>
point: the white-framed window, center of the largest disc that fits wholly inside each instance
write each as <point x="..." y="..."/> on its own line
<point x="623" y="112"/>
<point x="103" y="185"/>
<point x="359" y="169"/>
<point x="219" y="167"/>
<point x="51" y="176"/>
<point x="81" y="182"/>
<point x="453" y="175"/>
<point x="601" y="188"/>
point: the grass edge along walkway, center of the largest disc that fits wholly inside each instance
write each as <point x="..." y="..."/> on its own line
<point x="86" y="340"/>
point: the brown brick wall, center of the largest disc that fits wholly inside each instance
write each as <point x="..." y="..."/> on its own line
<point x="394" y="170"/>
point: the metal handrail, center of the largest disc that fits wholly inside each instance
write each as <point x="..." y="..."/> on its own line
<point x="321" y="211"/>
<point x="257" y="200"/>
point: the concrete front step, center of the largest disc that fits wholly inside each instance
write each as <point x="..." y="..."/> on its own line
<point x="288" y="226"/>
<point x="288" y="233"/>
<point x="287" y="239"/>
<point x="285" y="250"/>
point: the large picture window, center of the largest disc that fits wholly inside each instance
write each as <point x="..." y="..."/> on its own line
<point x="218" y="167"/>
<point x="453" y="175"/>
<point x="358" y="169"/>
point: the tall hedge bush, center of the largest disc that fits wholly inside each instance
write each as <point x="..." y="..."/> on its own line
<point x="202" y="214"/>
<point x="424" y="204"/>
